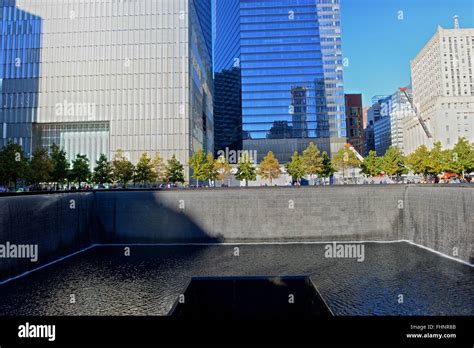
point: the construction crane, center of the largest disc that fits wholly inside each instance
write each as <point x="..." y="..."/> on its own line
<point x="356" y="153"/>
<point x="418" y="115"/>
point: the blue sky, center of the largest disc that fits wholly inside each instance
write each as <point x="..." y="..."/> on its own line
<point x="379" y="46"/>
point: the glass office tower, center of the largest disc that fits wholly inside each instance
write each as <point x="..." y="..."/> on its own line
<point x="227" y="76"/>
<point x="290" y="59"/>
<point x="19" y="73"/>
<point x="133" y="75"/>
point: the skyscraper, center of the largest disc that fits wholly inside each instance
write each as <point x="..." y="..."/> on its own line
<point x="400" y="110"/>
<point x="130" y="75"/>
<point x="443" y="89"/>
<point x="388" y="128"/>
<point x="227" y="76"/>
<point x="374" y="114"/>
<point x="355" y="121"/>
<point x="290" y="58"/>
<point x="20" y="54"/>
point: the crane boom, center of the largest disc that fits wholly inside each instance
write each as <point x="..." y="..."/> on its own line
<point x="356" y="153"/>
<point x="420" y="119"/>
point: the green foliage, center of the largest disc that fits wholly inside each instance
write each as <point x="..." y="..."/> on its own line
<point x="175" y="171"/>
<point x="123" y="169"/>
<point x="209" y="168"/>
<point x="372" y="164"/>
<point x="459" y="160"/>
<point x="463" y="157"/>
<point x="327" y="167"/>
<point x="393" y="162"/>
<point x="60" y="164"/>
<point x="197" y="162"/>
<point x="41" y="167"/>
<point x="269" y="168"/>
<point x="144" y="170"/>
<point x="103" y="172"/>
<point x="246" y="170"/>
<point x="312" y="160"/>
<point x="419" y="161"/>
<point x="439" y="160"/>
<point x="80" y="171"/>
<point x="13" y="164"/>
<point x="345" y="159"/>
<point x="296" y="167"/>
<point x="159" y="167"/>
<point x="222" y="167"/>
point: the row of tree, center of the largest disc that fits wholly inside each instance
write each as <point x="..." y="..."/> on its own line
<point x="458" y="160"/>
<point x="53" y="167"/>
<point x="311" y="162"/>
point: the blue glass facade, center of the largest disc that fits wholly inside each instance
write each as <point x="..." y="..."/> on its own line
<point x="284" y="73"/>
<point x="227" y="76"/>
<point x="204" y="14"/>
<point x="290" y="59"/>
<point x="19" y="72"/>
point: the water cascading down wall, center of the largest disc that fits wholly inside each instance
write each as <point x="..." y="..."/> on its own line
<point x="437" y="217"/>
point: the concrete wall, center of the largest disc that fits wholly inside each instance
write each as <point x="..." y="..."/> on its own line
<point x="437" y="217"/>
<point x="433" y="216"/>
<point x="318" y="214"/>
<point x="58" y="223"/>
<point x="441" y="218"/>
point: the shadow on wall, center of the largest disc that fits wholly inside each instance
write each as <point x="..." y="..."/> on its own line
<point x="56" y="225"/>
<point x="272" y="214"/>
<point x="147" y="217"/>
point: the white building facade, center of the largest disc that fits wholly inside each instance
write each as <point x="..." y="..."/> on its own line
<point x="443" y="90"/>
<point x="98" y="76"/>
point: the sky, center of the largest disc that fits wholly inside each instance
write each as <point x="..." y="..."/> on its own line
<point x="379" y="46"/>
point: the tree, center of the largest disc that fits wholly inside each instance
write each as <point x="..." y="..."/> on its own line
<point x="372" y="165"/>
<point x="80" y="171"/>
<point x="60" y="165"/>
<point x="13" y="164"/>
<point x="198" y="164"/>
<point x="327" y="169"/>
<point x="223" y="168"/>
<point x="175" y="171"/>
<point x="439" y="159"/>
<point x="312" y="160"/>
<point x="159" y="167"/>
<point x="296" y="167"/>
<point x="144" y="170"/>
<point x="245" y="169"/>
<point x="209" y="168"/>
<point x="345" y="159"/>
<point x="393" y="162"/>
<point x="269" y="168"/>
<point x="123" y="169"/>
<point x="41" y="167"/>
<point x="463" y="157"/>
<point x="419" y="161"/>
<point x="103" y="172"/>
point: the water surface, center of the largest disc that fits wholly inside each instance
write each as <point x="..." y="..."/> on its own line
<point x="103" y="281"/>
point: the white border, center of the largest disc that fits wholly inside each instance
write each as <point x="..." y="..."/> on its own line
<point x="2" y="282"/>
